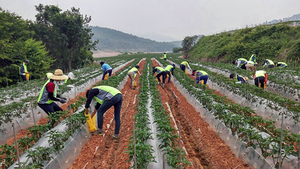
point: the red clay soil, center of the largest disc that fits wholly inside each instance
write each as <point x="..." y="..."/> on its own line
<point x="24" y="132"/>
<point x="205" y="148"/>
<point x="102" y="151"/>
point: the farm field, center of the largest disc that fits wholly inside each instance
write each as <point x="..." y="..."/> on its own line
<point x="178" y="125"/>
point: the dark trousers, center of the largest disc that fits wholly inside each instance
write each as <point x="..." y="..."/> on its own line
<point x="50" y="108"/>
<point x="168" y="73"/>
<point x="23" y="77"/>
<point x="182" y="67"/>
<point x="260" y="80"/>
<point x="163" y="74"/>
<point x="107" y="71"/>
<point x="115" y="101"/>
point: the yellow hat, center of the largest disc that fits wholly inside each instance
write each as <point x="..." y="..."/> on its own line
<point x="58" y="75"/>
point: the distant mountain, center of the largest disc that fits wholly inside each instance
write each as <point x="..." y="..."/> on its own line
<point x="113" y="40"/>
<point x="157" y="37"/>
<point x="292" y="18"/>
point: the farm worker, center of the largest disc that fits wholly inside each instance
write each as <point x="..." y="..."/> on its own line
<point x="250" y="65"/>
<point x="260" y="78"/>
<point x="253" y="57"/>
<point x="269" y="63"/>
<point x="47" y="75"/>
<point x="105" y="97"/>
<point x="48" y="94"/>
<point x="132" y="74"/>
<point x="238" y="78"/>
<point x="169" y="69"/>
<point x="160" y="72"/>
<point x="200" y="75"/>
<point x="281" y="64"/>
<point x="70" y="76"/>
<point x="106" y="69"/>
<point x="23" y="70"/>
<point x="240" y="61"/>
<point x="165" y="56"/>
<point x="183" y="65"/>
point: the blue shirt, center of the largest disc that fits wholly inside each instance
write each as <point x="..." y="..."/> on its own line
<point x="105" y="67"/>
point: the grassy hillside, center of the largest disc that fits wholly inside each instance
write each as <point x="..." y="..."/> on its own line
<point x="278" y="42"/>
<point x="113" y="40"/>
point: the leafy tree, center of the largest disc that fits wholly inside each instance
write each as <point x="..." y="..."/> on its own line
<point x="66" y="35"/>
<point x="187" y="43"/>
<point x="176" y="50"/>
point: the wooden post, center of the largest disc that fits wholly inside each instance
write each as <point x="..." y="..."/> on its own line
<point x="13" y="126"/>
<point x="32" y="113"/>
<point x="179" y="146"/>
<point x="134" y="149"/>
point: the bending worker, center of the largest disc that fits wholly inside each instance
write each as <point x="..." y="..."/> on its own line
<point x="48" y="94"/>
<point x="168" y="69"/>
<point x="200" y="75"/>
<point x="160" y="72"/>
<point x="106" y="97"/>
<point x="23" y="70"/>
<point x="106" y="69"/>
<point x="238" y="79"/>
<point x="281" y="64"/>
<point x="183" y="65"/>
<point x="260" y="78"/>
<point x="132" y="74"/>
<point x="269" y="63"/>
<point x="240" y="61"/>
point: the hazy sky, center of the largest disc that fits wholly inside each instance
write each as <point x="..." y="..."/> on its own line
<point x="166" y="20"/>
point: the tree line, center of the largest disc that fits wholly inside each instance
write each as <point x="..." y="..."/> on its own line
<point x="56" y="39"/>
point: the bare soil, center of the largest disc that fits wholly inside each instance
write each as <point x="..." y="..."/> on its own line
<point x="205" y="149"/>
<point x="102" y="151"/>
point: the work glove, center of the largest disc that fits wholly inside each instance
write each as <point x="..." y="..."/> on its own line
<point x="62" y="101"/>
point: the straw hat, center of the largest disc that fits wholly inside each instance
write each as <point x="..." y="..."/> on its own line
<point x="58" y="75"/>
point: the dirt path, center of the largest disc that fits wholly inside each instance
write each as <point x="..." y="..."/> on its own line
<point x="112" y="154"/>
<point x="205" y="149"/>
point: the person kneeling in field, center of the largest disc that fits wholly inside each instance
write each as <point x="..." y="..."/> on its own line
<point x="200" y="75"/>
<point x="238" y="79"/>
<point x="260" y="78"/>
<point x="132" y="74"/>
<point x="48" y="94"/>
<point x="106" y="97"/>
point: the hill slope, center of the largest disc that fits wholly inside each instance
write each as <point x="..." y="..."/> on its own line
<point x="113" y="40"/>
<point x="278" y="42"/>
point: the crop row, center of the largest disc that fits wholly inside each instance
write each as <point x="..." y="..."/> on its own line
<point x="56" y="139"/>
<point x="243" y="122"/>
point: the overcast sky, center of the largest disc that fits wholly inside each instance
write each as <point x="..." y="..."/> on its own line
<point x="167" y="20"/>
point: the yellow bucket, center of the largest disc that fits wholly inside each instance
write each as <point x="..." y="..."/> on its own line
<point x="134" y="84"/>
<point x="167" y="75"/>
<point x="106" y="77"/>
<point x="91" y="122"/>
<point x="186" y="72"/>
<point x="202" y="81"/>
<point x="27" y="76"/>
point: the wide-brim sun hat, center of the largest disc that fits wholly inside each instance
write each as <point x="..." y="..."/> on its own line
<point x="58" y="75"/>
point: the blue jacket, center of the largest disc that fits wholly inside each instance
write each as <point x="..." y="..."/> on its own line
<point x="105" y="67"/>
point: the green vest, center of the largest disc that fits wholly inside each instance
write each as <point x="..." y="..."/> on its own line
<point x="168" y="68"/>
<point x="105" y="93"/>
<point x="242" y="59"/>
<point x="165" y="55"/>
<point x="201" y="73"/>
<point x="25" y="69"/>
<point x="270" y="62"/>
<point x="185" y="63"/>
<point x="236" y="79"/>
<point x="260" y="73"/>
<point x="43" y="97"/>
<point x="282" y="63"/>
<point x="134" y="70"/>
<point x="251" y="58"/>
<point x="159" y="69"/>
<point x="250" y="62"/>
